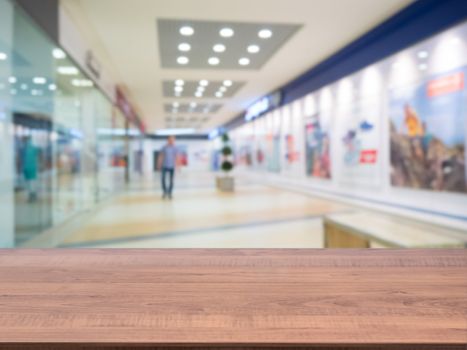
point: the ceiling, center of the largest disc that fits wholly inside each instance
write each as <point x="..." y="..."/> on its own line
<point x="231" y="45"/>
<point x="142" y="38"/>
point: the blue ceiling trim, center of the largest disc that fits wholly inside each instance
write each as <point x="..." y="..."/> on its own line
<point x="416" y="22"/>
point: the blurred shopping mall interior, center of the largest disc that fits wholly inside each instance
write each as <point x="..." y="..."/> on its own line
<point x="297" y="124"/>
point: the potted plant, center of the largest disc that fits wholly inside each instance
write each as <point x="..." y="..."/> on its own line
<point x="226" y="183"/>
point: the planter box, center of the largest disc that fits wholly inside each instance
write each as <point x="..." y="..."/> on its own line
<point x="225" y="184"/>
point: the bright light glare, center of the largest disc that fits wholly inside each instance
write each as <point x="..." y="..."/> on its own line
<point x="67" y="70"/>
<point x="214" y="61"/>
<point x="265" y="34"/>
<point x="226" y="32"/>
<point x="244" y="61"/>
<point x="184" y="47"/>
<point x="58" y="54"/>
<point x="253" y="49"/>
<point x="182" y="60"/>
<point x="187" y="31"/>
<point x="39" y="80"/>
<point x="218" y="48"/>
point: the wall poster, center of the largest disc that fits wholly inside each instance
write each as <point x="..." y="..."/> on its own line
<point x="317" y="141"/>
<point x="291" y="153"/>
<point x="360" y="143"/>
<point x="244" y="154"/>
<point x="428" y="134"/>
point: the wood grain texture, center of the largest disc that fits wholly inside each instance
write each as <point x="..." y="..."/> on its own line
<point x="320" y="299"/>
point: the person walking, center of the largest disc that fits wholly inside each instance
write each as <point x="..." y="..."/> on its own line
<point x="168" y="163"/>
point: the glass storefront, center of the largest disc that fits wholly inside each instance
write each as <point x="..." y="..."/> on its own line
<point x="59" y="155"/>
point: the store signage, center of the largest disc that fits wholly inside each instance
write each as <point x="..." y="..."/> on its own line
<point x="446" y="84"/>
<point x="264" y="105"/>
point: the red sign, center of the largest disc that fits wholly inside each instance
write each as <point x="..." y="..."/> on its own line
<point x="446" y="84"/>
<point x="368" y="156"/>
<point x="125" y="106"/>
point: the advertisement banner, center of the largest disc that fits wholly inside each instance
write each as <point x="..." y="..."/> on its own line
<point x="360" y="144"/>
<point x="317" y="141"/>
<point x="428" y="134"/>
<point x="291" y="153"/>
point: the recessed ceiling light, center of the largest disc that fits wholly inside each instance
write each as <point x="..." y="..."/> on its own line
<point x="200" y="89"/>
<point x="39" y="80"/>
<point x="179" y="82"/>
<point x="219" y="94"/>
<point x="12" y="80"/>
<point x="218" y="48"/>
<point x="226" y="32"/>
<point x="228" y="82"/>
<point x="422" y="66"/>
<point x="244" y="61"/>
<point x="178" y="89"/>
<point x="199" y="94"/>
<point x="223" y="89"/>
<point x="182" y="60"/>
<point x="24" y="86"/>
<point x="422" y="54"/>
<point x="187" y="31"/>
<point x="52" y="87"/>
<point x="253" y="49"/>
<point x="214" y="61"/>
<point x="67" y="70"/>
<point x="184" y="47"/>
<point x="265" y="34"/>
<point x="58" y="54"/>
<point x="204" y="83"/>
<point x="3" y="56"/>
<point x="175" y="104"/>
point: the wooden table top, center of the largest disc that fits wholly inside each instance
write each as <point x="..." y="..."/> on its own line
<point x="320" y="298"/>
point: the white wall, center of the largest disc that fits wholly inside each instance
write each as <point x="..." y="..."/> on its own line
<point x="77" y="38"/>
<point x="365" y="96"/>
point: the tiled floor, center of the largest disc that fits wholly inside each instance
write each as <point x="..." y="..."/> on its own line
<point x="199" y="216"/>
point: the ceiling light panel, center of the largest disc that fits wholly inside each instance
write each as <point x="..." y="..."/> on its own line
<point x="193" y="108"/>
<point x="257" y="42"/>
<point x="197" y="89"/>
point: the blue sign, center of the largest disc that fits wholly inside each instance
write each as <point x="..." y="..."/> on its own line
<point x="264" y="105"/>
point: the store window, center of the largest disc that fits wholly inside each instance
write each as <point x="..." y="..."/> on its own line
<point x="54" y="161"/>
<point x="6" y="137"/>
